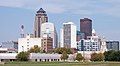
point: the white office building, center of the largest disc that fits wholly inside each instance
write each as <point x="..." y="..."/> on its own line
<point x="24" y="44"/>
<point x="92" y="43"/>
<point x="49" y="29"/>
<point x="68" y="35"/>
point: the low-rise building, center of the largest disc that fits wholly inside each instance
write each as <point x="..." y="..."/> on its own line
<point x="112" y="45"/>
<point x="39" y="57"/>
<point x="24" y="44"/>
<point x="44" y="57"/>
<point x="11" y="46"/>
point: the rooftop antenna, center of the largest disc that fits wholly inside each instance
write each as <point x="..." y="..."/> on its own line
<point x="22" y="31"/>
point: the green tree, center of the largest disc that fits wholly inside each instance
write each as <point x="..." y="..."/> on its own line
<point x="93" y="57"/>
<point x="61" y="50"/>
<point x="64" y="56"/>
<point x="109" y="55"/>
<point x="100" y="57"/>
<point x="35" y="49"/>
<point x="112" y="55"/>
<point x="97" y="57"/>
<point x="79" y="57"/>
<point x="23" y="56"/>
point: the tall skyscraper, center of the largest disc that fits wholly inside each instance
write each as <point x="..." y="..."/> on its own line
<point x="41" y="17"/>
<point x="68" y="35"/>
<point x="86" y="27"/>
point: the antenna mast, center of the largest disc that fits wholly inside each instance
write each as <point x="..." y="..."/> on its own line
<point x="22" y="31"/>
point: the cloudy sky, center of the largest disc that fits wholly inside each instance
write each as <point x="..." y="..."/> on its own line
<point x="104" y="13"/>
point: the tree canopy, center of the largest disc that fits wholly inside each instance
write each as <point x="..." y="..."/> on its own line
<point x="35" y="49"/>
<point x="97" y="57"/>
<point x="23" y="56"/>
<point x="61" y="50"/>
<point x="112" y="55"/>
<point x="64" y="56"/>
<point x="79" y="57"/>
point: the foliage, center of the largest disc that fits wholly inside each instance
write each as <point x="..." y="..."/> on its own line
<point x="64" y="56"/>
<point x="61" y="50"/>
<point x="35" y="49"/>
<point x="93" y="57"/>
<point x="97" y="57"/>
<point x="100" y="56"/>
<point x="112" y="55"/>
<point x="23" y="56"/>
<point x="79" y="57"/>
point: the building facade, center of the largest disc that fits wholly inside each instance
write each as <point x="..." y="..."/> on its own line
<point x="93" y="43"/>
<point x="113" y="45"/>
<point x="11" y="46"/>
<point x="88" y="45"/>
<point x="47" y="44"/>
<point x="68" y="35"/>
<point x="24" y="44"/>
<point x="49" y="28"/>
<point x="86" y="27"/>
<point x="41" y="17"/>
<point x="80" y="36"/>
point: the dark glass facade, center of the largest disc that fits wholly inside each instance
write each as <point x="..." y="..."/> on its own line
<point x="86" y="27"/>
<point x="112" y="45"/>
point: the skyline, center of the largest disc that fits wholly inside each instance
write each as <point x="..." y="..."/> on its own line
<point x="104" y="14"/>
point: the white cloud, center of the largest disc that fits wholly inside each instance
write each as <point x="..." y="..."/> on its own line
<point x="11" y="3"/>
<point x="54" y="8"/>
<point x="85" y="7"/>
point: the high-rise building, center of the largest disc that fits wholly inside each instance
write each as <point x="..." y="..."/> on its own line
<point x="49" y="28"/>
<point x="41" y="17"/>
<point x="86" y="27"/>
<point x="112" y="45"/>
<point x="68" y="35"/>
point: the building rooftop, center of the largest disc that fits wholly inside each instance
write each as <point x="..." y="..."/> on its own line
<point x="69" y="23"/>
<point x="40" y="11"/>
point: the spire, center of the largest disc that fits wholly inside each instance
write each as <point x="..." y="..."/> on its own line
<point x="40" y="11"/>
<point x="93" y="32"/>
<point x="22" y="31"/>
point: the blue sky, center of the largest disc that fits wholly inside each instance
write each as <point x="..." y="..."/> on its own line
<point x="104" y="13"/>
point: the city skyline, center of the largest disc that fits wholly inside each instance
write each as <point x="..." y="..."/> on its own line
<point x="13" y="15"/>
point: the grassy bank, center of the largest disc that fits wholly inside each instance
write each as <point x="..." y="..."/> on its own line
<point x="61" y="64"/>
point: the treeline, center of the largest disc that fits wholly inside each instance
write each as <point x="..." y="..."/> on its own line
<point x="112" y="55"/>
<point x="24" y="56"/>
<point x="106" y="56"/>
